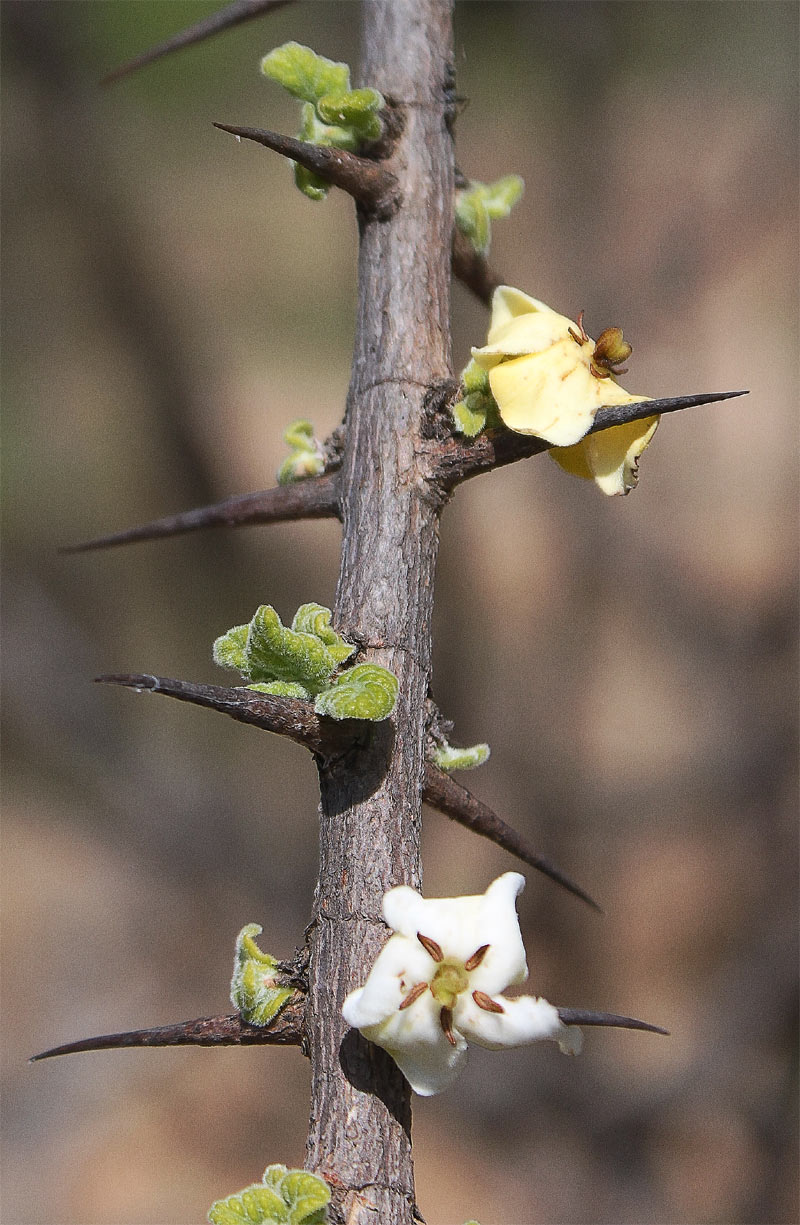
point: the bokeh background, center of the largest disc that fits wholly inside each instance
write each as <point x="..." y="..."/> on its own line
<point x="171" y="302"/>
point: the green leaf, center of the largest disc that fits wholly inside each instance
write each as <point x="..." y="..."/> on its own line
<point x="469" y="414"/>
<point x="501" y="196"/>
<point x="274" y="653"/>
<point x="300" y="434"/>
<point x="315" y="132"/>
<point x="283" y="1197"/>
<point x="300" y="465"/>
<point x="366" y="691"/>
<point x="448" y="758"/>
<point x="282" y="689"/>
<point x="309" y="183"/>
<point x="357" y="109"/>
<point x="306" y="1194"/>
<point x="473" y="221"/>
<point x="255" y="990"/>
<point x="306" y="458"/>
<point x="229" y="649"/>
<point x="316" y="619"/>
<point x="475" y="378"/>
<point x="304" y="73"/>
<point x="477" y="204"/>
<point x="256" y="1205"/>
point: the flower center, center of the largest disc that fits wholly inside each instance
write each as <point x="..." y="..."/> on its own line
<point x="448" y="982"/>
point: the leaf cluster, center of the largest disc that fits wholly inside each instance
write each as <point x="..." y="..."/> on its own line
<point x="283" y="1197"/>
<point x="333" y="114"/>
<point x="304" y="662"/>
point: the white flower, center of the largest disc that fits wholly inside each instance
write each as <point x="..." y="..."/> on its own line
<point x="438" y="982"/>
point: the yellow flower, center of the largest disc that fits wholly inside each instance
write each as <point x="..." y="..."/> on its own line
<point x="549" y="379"/>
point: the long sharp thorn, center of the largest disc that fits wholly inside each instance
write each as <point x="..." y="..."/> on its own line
<point x="315" y="498"/>
<point x="366" y="181"/>
<point x="229" y="1030"/>
<point x="442" y="792"/>
<point x="282" y="716"/>
<point x="224" y="19"/>
<point x="619" y="414"/>
<point x="585" y="1016"/>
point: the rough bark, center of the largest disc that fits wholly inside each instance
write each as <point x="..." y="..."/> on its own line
<point x="359" y="1135"/>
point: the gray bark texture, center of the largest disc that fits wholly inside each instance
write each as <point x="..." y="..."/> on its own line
<point x="371" y="800"/>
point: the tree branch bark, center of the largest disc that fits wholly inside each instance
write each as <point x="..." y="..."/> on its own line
<point x="360" y="1121"/>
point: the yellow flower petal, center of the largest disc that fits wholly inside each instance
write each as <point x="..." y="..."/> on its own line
<point x="539" y="373"/>
<point x="609" y="457"/>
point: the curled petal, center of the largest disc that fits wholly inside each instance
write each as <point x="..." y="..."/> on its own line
<point x="523" y="1020"/>
<point x="399" y="967"/>
<point x="609" y="457"/>
<point x="461" y="925"/>
<point x="429" y="1058"/>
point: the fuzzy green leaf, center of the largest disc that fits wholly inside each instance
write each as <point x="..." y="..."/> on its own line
<point x="473" y="221"/>
<point x="283" y="1197"/>
<point x="475" y="378"/>
<point x="300" y="434"/>
<point x="479" y="203"/>
<point x="315" y="132"/>
<point x="366" y="691"/>
<point x="501" y="196"/>
<point x="357" y="109"/>
<point x="306" y="458"/>
<point x="282" y="689"/>
<point x="300" y="465"/>
<point x="469" y="414"/>
<point x="316" y="619"/>
<point x="304" y="73"/>
<point x="229" y="649"/>
<point x="306" y="1195"/>
<point x="274" y="653"/>
<point x="309" y="183"/>
<point x="254" y="989"/>
<point x="448" y="758"/>
<point x="256" y="1205"/>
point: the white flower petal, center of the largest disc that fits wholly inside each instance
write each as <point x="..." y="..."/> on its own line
<point x="523" y="1020"/>
<point x="429" y="1068"/>
<point x="400" y="965"/>
<point x="498" y="926"/>
<point x="416" y="1041"/>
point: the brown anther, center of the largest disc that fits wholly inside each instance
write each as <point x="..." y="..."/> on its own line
<point x="477" y="957"/>
<point x="413" y="996"/>
<point x="486" y="1002"/>
<point x="582" y="338"/>
<point x="433" y="949"/>
<point x="446" y="1022"/>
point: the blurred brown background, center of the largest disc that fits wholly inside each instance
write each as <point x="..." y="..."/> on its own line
<point x="170" y="304"/>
